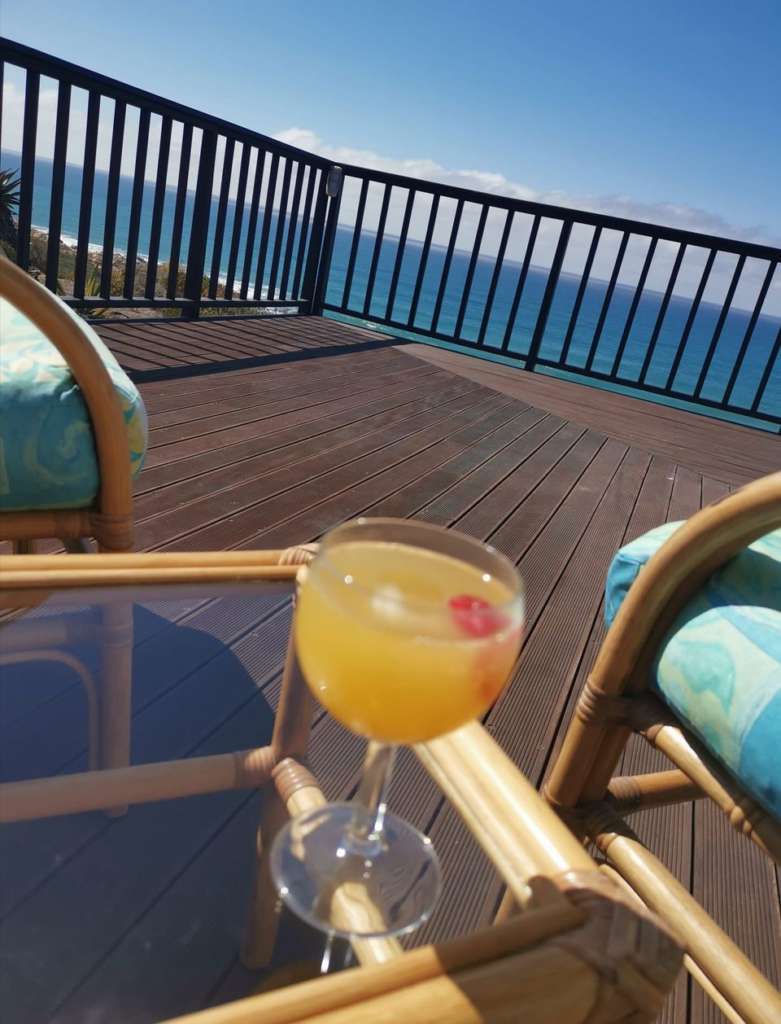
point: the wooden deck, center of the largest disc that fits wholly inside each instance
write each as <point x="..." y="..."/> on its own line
<point x="265" y="433"/>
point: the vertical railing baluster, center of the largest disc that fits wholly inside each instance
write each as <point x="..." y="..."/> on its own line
<point x="547" y="298"/>
<point x="471" y="271"/>
<point x="662" y="312"/>
<point x="238" y="219"/>
<point x="592" y="251"/>
<point x="446" y="266"/>
<point x="767" y="372"/>
<point x="291" y="231"/>
<point x="157" y="208"/>
<point x="592" y="351"/>
<point x="219" y="225"/>
<point x="199" y="230"/>
<point x="713" y="344"/>
<point x="139" y="174"/>
<point x="377" y="250"/>
<point x="304" y="234"/>
<point x="2" y="74"/>
<point x="399" y="254"/>
<point x="348" y="278"/>
<point x="771" y="268"/>
<point x="280" y="232"/>
<point x="268" y="210"/>
<point x="181" y="200"/>
<point x="527" y="259"/>
<point x="489" y="302"/>
<point x="630" y="319"/>
<point x="112" y="196"/>
<point x="27" y="173"/>
<point x="58" y="183"/>
<point x="432" y="217"/>
<point x="87" y="185"/>
<point x="314" y="251"/>
<point x="690" y="320"/>
<point x="252" y="224"/>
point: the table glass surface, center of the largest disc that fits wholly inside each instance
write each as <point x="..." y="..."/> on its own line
<point x="138" y="917"/>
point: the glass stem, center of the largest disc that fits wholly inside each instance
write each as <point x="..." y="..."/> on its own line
<point x="372" y="795"/>
<point x="328" y="949"/>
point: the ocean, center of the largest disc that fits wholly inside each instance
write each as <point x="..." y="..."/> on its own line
<point x="685" y="378"/>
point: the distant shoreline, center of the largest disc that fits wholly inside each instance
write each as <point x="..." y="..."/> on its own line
<point x="97" y="248"/>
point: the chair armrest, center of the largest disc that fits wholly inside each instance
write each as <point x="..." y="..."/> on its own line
<point x="24" y="576"/>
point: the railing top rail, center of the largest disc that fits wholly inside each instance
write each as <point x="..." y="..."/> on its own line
<point x="54" y="67"/>
<point x="565" y="213"/>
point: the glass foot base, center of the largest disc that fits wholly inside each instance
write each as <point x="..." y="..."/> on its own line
<point x="351" y="888"/>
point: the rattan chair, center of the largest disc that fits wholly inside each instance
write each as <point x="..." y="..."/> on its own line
<point x="616" y="702"/>
<point x="580" y="952"/>
<point x="108" y="519"/>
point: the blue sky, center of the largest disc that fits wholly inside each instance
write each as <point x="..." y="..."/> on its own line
<point x="666" y="110"/>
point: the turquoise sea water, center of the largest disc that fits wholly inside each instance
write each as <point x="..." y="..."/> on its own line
<point x="684" y="380"/>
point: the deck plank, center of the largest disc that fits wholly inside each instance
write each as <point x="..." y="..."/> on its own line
<point x="267" y="432"/>
<point x="305" y="425"/>
<point x="723" y="450"/>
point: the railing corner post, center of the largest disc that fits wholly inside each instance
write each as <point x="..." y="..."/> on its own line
<point x="199" y="230"/>
<point x="323" y="237"/>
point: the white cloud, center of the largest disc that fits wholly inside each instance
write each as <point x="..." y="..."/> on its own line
<point x="491" y="182"/>
<point x="670" y="214"/>
<point x="13" y="120"/>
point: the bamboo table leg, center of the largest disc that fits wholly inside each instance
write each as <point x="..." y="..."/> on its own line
<point x="290" y="738"/>
<point x="265" y="902"/>
<point x="116" y="638"/>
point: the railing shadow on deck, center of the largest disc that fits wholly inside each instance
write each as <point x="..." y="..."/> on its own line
<point x="254" y="362"/>
<point x="675" y="315"/>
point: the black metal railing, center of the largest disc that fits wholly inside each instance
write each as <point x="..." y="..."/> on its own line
<point x="656" y="311"/>
<point x="257" y="247"/>
<point x="705" y="334"/>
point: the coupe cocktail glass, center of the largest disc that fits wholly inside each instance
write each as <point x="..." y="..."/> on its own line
<point x="404" y="631"/>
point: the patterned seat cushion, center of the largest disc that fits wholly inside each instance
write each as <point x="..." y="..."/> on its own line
<point x="47" y="451"/>
<point x="719" y="667"/>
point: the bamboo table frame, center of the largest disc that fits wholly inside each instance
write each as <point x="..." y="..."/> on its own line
<point x="579" y="950"/>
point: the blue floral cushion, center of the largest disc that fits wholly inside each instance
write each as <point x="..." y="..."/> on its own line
<point x="719" y="667"/>
<point x="47" y="451"/>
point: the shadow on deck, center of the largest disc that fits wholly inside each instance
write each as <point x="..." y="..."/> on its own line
<point x="266" y="433"/>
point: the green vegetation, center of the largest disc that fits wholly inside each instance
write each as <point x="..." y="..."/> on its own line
<point x="9" y="202"/>
<point x="66" y="268"/>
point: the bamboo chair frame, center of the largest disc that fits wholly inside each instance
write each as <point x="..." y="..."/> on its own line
<point x="109" y="520"/>
<point x="615" y="702"/>
<point x="581" y="951"/>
